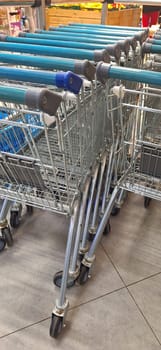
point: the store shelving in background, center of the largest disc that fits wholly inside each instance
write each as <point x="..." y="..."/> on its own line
<point x="10" y="20"/>
<point x="118" y="14"/>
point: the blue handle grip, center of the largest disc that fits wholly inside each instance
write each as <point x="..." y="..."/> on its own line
<point x="56" y="51"/>
<point x="151" y="48"/>
<point x="154" y="41"/>
<point x="106" y="71"/>
<point x="68" y="81"/>
<point x="84" y="32"/>
<point x="74" y="41"/>
<point x="109" y="27"/>
<point x="38" y="61"/>
<point x="12" y="94"/>
<point x="57" y="43"/>
<point x="97" y="39"/>
<point x="83" y="67"/>
<point x="88" y="38"/>
<point x="87" y="30"/>
<point x="141" y="36"/>
<point x="42" y="99"/>
<point x="156" y="49"/>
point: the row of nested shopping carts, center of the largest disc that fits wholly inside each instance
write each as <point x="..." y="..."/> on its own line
<point x="79" y="134"/>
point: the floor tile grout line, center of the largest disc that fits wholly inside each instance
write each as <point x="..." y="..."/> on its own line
<point x="97" y="298"/>
<point x="132" y="283"/>
<point x="108" y="256"/>
<point x="70" y="309"/>
<point x="25" y="327"/>
<point x="143" y="279"/>
<point x="147" y="322"/>
<point x="139" y="309"/>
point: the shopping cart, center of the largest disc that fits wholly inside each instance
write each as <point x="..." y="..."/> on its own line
<point x="68" y="167"/>
<point x="134" y="58"/>
<point x="12" y="137"/>
<point x="139" y="144"/>
<point x="55" y="168"/>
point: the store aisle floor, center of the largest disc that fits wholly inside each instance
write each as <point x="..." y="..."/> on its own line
<point x="118" y="309"/>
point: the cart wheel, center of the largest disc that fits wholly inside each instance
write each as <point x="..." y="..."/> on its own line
<point x="58" y="279"/>
<point x="115" y="211"/>
<point x="8" y="236"/>
<point x="2" y="244"/>
<point x="81" y="256"/>
<point x="14" y="219"/>
<point x="30" y="209"/>
<point x="84" y="272"/>
<point x="56" y="325"/>
<point x="91" y="237"/>
<point x="147" y="201"/>
<point x="107" y="229"/>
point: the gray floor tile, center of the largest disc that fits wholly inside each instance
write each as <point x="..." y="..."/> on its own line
<point x="134" y="244"/>
<point x="112" y="322"/>
<point x="27" y="269"/>
<point x="148" y="296"/>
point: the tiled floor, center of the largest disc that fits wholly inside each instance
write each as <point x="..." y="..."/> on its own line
<point x="118" y="309"/>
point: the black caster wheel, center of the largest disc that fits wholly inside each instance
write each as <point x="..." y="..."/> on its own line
<point x="57" y="280"/>
<point x="115" y="211"/>
<point x="14" y="219"/>
<point x="107" y="229"/>
<point x="7" y="236"/>
<point x="81" y="256"/>
<point x="56" y="326"/>
<point x="2" y="244"/>
<point x="30" y="209"/>
<point x="147" y="201"/>
<point x="91" y="237"/>
<point x="84" y="273"/>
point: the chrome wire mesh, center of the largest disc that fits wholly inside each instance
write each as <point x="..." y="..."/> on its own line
<point x="47" y="159"/>
<point x="143" y="159"/>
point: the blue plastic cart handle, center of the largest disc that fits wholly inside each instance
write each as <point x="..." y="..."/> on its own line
<point x="155" y="49"/>
<point x="12" y="94"/>
<point x="151" y="48"/>
<point x="93" y="30"/>
<point x="154" y="41"/>
<point x="83" y="67"/>
<point x="55" y="51"/>
<point x="68" y="81"/>
<point x="109" y="27"/>
<point x="88" y="31"/>
<point x="99" y="27"/>
<point x="56" y="43"/>
<point x="41" y="99"/>
<point x="38" y="61"/>
<point x="69" y="29"/>
<point x="77" y="37"/>
<point x="106" y="71"/>
<point x="96" y="39"/>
